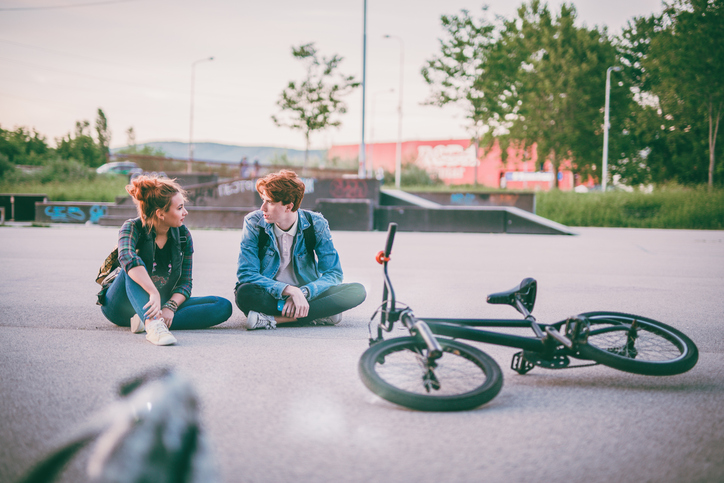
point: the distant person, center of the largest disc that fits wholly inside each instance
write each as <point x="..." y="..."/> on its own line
<point x="153" y="289"/>
<point x="289" y="270"/>
<point x="255" y="168"/>
<point x="244" y="168"/>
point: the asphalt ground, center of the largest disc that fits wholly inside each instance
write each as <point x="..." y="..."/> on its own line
<point x="288" y="405"/>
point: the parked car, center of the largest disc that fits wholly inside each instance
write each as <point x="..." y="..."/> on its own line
<point x="120" y="167"/>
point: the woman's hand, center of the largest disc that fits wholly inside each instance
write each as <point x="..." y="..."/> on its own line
<point x="167" y="315"/>
<point x="153" y="307"/>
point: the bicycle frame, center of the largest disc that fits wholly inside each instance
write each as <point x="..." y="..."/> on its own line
<point x="547" y="337"/>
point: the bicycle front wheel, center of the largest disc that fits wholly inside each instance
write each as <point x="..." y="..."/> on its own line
<point x="637" y="344"/>
<point x="463" y="378"/>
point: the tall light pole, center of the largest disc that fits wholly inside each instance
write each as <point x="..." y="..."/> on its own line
<point x="606" y="126"/>
<point x="362" y="171"/>
<point x="398" y="151"/>
<point x="191" y="120"/>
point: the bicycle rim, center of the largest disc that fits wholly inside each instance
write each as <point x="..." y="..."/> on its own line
<point x="464" y="377"/>
<point x="637" y="344"/>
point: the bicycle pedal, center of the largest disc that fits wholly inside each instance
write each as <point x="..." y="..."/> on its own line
<point x="555" y="361"/>
<point x="520" y="364"/>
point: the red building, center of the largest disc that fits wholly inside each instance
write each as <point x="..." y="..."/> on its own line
<point x="455" y="162"/>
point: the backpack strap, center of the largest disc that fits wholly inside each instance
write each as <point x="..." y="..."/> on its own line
<point x="310" y="238"/>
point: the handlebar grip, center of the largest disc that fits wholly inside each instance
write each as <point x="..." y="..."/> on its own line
<point x="391" y="230"/>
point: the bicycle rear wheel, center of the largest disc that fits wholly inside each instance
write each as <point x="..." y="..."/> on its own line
<point x="637" y="344"/>
<point x="463" y="378"/>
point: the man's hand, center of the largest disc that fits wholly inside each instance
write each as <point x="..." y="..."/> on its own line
<point x="296" y="306"/>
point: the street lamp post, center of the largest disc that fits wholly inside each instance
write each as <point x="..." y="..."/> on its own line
<point x="606" y="126"/>
<point x="362" y="171"/>
<point x="191" y="119"/>
<point x="398" y="151"/>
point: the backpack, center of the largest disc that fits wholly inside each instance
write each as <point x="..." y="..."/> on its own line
<point x="310" y="238"/>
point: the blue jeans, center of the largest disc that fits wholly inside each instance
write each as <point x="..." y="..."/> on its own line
<point x="333" y="301"/>
<point x="125" y="298"/>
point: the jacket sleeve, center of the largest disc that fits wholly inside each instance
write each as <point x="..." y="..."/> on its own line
<point x="128" y="238"/>
<point x="249" y="265"/>
<point x="328" y="264"/>
<point x="185" y="282"/>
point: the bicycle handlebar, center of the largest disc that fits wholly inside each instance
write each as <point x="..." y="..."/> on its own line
<point x="391" y="230"/>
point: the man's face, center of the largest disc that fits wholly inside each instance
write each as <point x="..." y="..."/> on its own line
<point x="274" y="211"/>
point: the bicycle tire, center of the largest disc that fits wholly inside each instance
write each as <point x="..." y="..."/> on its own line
<point x="467" y="377"/>
<point x="656" y="349"/>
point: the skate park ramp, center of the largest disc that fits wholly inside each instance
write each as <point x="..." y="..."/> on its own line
<point x="416" y="213"/>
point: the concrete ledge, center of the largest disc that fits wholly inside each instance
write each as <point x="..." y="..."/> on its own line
<point x="70" y="211"/>
<point x="347" y="215"/>
<point x="198" y="217"/>
<point x="479" y="219"/>
<point x="217" y="216"/>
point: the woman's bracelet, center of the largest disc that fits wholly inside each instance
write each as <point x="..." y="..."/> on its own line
<point x="171" y="305"/>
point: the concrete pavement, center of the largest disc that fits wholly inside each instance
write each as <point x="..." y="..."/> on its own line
<point x="287" y="405"/>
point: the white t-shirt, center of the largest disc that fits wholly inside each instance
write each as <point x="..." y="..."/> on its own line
<point x="285" y="242"/>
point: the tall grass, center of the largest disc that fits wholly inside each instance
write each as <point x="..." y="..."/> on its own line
<point x="667" y="207"/>
<point x="101" y="188"/>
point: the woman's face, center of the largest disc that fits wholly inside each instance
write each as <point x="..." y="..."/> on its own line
<point x="174" y="216"/>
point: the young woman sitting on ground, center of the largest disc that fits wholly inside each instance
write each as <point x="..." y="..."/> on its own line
<point x="153" y="289"/>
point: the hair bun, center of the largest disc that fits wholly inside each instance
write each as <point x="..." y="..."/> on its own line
<point x="142" y="187"/>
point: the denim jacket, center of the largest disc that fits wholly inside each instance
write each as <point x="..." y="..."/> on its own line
<point x="317" y="275"/>
<point x="137" y="244"/>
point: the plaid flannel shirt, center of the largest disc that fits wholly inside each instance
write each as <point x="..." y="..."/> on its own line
<point x="128" y="239"/>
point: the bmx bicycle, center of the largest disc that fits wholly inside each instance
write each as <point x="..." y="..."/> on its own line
<point x="431" y="370"/>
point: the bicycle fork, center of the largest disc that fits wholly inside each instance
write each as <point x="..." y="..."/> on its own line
<point x="419" y="328"/>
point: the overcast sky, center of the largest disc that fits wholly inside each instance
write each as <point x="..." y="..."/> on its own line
<point x="61" y="60"/>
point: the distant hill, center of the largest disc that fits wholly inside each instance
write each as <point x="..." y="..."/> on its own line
<point x="229" y="153"/>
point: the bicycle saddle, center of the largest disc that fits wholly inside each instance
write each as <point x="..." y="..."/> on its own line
<point x="525" y="292"/>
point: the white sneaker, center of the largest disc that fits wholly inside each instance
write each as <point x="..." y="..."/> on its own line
<point x="257" y="320"/>
<point x="157" y="333"/>
<point x="137" y="326"/>
<point x="331" y="320"/>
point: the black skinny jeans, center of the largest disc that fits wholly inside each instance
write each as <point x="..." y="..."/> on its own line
<point x="333" y="301"/>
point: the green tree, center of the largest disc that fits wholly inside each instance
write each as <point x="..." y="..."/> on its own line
<point x="81" y="146"/>
<point x="684" y="70"/>
<point x="315" y="103"/>
<point x="103" y="133"/>
<point x="468" y="72"/>
<point x="558" y="85"/>
<point x="22" y="146"/>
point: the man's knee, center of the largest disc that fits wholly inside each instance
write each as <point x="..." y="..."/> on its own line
<point x="356" y="293"/>
<point x="243" y="295"/>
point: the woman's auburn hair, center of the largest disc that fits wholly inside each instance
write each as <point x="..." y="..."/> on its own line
<point x="284" y="186"/>
<point x="151" y="193"/>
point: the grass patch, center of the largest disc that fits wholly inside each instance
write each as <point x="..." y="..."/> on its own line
<point x="101" y="188"/>
<point x="667" y="207"/>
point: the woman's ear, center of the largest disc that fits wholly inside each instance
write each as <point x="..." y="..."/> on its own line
<point x="160" y="213"/>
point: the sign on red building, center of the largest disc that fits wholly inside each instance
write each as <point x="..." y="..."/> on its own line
<point x="455" y="162"/>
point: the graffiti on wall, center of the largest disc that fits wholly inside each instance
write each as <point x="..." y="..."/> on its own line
<point x="466" y="199"/>
<point x="447" y="161"/>
<point x="75" y="214"/>
<point x="348" y="188"/>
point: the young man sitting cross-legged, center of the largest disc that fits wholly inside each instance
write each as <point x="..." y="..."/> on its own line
<point x="279" y="278"/>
